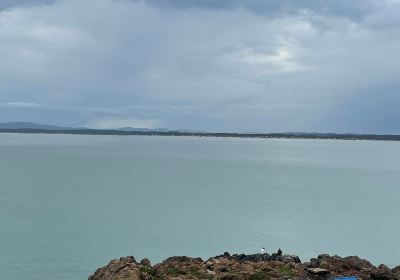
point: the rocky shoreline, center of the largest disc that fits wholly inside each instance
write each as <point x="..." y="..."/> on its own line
<point x="246" y="267"/>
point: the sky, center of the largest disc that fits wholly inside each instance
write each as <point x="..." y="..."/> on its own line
<point x="209" y="65"/>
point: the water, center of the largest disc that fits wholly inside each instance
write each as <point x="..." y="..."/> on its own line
<point x="69" y="204"/>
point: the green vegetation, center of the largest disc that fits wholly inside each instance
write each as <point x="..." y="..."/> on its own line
<point x="195" y="271"/>
<point x="260" y="275"/>
<point x="147" y="269"/>
<point x="173" y="271"/>
<point x="285" y="271"/>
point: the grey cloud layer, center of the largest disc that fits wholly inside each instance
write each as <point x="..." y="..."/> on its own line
<point x="201" y="65"/>
<point x="4" y="4"/>
<point x="353" y="9"/>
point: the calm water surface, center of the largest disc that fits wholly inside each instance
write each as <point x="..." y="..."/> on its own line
<point x="69" y="204"/>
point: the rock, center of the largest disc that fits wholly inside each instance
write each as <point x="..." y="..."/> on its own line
<point x="209" y="265"/>
<point x="383" y="267"/>
<point x="323" y="256"/>
<point x="318" y="271"/>
<point x="356" y="263"/>
<point x="347" y="266"/>
<point x="383" y="273"/>
<point x="181" y="268"/>
<point x="122" y="269"/>
<point x="229" y="277"/>
<point x="182" y="259"/>
<point x="210" y="272"/>
<point x="145" y="262"/>
<point x="288" y="259"/>
<point x="251" y="258"/>
<point x="245" y="267"/>
<point x="313" y="263"/>
<point x="276" y="256"/>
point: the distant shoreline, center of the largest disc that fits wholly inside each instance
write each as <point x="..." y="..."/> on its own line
<point x="289" y="135"/>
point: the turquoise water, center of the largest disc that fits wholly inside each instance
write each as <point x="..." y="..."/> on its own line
<point x="69" y="204"/>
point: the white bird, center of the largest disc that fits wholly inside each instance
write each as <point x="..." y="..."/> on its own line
<point x="263" y="251"/>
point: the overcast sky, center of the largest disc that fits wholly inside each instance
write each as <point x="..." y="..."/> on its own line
<point x="216" y="65"/>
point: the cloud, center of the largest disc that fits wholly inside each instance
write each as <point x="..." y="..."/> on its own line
<point x="206" y="65"/>
<point x="280" y="60"/>
<point x="19" y="104"/>
<point x="4" y="4"/>
<point x="355" y="9"/>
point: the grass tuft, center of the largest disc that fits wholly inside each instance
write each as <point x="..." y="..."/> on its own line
<point x="173" y="271"/>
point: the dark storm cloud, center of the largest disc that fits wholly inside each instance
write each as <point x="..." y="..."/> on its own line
<point x="4" y="4"/>
<point x="354" y="9"/>
<point x="207" y="65"/>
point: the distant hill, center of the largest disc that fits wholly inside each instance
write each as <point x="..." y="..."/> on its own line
<point x="31" y="125"/>
<point x="28" y="127"/>
<point x="183" y="130"/>
<point x="143" y="129"/>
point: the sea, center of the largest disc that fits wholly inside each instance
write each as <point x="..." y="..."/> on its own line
<point x="71" y="203"/>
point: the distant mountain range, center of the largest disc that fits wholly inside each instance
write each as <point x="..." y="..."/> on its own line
<point x="36" y="126"/>
<point x="29" y="127"/>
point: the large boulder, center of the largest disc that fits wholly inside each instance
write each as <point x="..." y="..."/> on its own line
<point x="384" y="273"/>
<point x="318" y="271"/>
<point x="120" y="269"/>
<point x="181" y="268"/>
<point x="346" y="266"/>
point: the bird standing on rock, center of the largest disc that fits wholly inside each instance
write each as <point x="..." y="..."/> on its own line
<point x="277" y="254"/>
<point x="263" y="251"/>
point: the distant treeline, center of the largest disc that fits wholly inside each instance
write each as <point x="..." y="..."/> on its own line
<point x="210" y="134"/>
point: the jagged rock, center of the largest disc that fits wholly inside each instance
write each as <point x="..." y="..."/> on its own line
<point x="349" y="265"/>
<point x="383" y="267"/>
<point x="122" y="269"/>
<point x="245" y="267"/>
<point x="277" y="256"/>
<point x="288" y="259"/>
<point x="318" y="271"/>
<point x="210" y="272"/>
<point x="180" y="268"/>
<point x="313" y="263"/>
<point x="323" y="256"/>
<point x="145" y="262"/>
<point x="383" y="273"/>
<point x="229" y="277"/>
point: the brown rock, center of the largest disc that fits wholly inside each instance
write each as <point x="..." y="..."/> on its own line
<point x="245" y="267"/>
<point x="323" y="256"/>
<point x="383" y="273"/>
<point x="122" y="269"/>
<point x="145" y="262"/>
<point x="318" y="271"/>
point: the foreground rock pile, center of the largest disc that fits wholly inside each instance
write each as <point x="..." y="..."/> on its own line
<point x="245" y="267"/>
